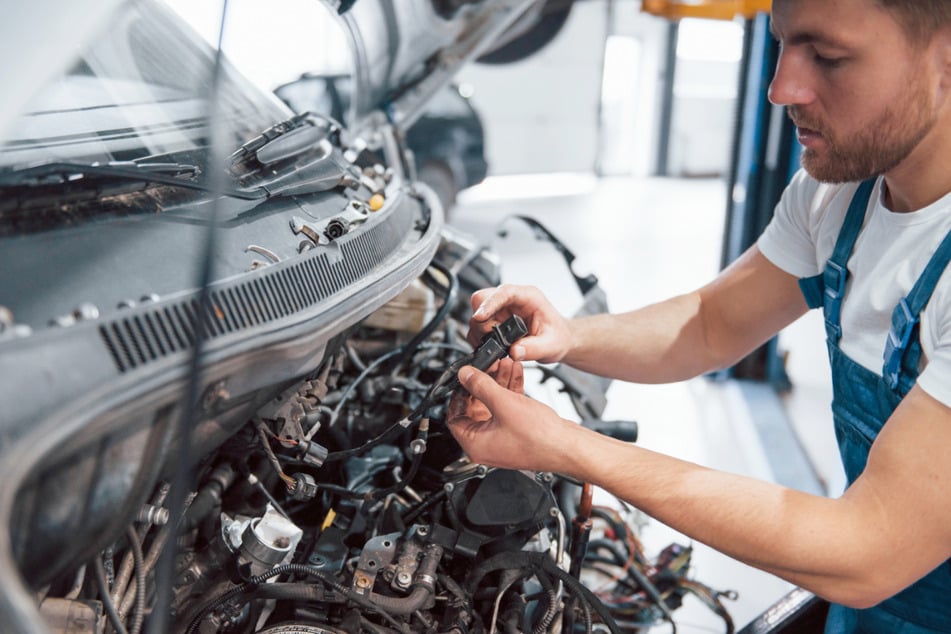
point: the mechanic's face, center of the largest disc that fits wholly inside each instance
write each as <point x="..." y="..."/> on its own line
<point x="861" y="96"/>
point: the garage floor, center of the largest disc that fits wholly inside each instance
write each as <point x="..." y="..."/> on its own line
<point x="647" y="239"/>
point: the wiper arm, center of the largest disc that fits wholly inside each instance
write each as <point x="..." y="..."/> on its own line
<point x="73" y="174"/>
<point x="303" y="154"/>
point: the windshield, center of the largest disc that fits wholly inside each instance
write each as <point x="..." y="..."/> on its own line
<point x="139" y="94"/>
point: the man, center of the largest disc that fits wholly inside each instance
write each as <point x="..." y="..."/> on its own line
<point x="868" y="83"/>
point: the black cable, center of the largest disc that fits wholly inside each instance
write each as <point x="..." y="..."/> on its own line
<point x="388" y="433"/>
<point x="345" y="395"/>
<point x="653" y="593"/>
<point x="302" y="569"/>
<point x="448" y="300"/>
<point x="107" y="603"/>
<point x="619" y="556"/>
<point x="402" y="483"/>
<point x="587" y="618"/>
<point x="334" y="456"/>
<point x="584" y="594"/>
<point x="423" y="506"/>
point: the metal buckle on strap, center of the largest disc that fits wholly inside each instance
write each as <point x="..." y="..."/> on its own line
<point x="899" y="335"/>
<point x="834" y="277"/>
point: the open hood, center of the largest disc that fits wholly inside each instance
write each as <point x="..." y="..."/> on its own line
<point x="404" y="57"/>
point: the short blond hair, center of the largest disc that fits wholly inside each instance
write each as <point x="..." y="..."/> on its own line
<point x="921" y="19"/>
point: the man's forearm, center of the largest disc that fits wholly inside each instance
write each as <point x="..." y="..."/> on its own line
<point x="660" y="343"/>
<point x="688" y="335"/>
<point x="817" y="543"/>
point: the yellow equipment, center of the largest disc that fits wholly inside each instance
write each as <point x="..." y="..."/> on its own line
<point x="715" y="9"/>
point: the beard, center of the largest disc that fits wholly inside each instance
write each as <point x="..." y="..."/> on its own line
<point x="874" y="149"/>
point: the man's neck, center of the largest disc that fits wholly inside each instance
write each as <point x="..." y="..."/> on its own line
<point x="924" y="176"/>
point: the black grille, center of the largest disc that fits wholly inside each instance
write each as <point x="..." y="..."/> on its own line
<point x="276" y="292"/>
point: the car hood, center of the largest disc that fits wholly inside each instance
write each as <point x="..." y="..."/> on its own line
<point x="405" y="57"/>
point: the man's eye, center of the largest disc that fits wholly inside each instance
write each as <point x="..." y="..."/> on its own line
<point x="828" y="62"/>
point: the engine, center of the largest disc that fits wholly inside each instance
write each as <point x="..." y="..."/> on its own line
<point x="334" y="510"/>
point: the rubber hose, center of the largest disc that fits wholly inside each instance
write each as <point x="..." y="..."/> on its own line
<point x="294" y="592"/>
<point x="209" y="497"/>
<point x="423" y="591"/>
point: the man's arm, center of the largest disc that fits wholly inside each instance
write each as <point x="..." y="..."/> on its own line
<point x="708" y="329"/>
<point x="889" y="529"/>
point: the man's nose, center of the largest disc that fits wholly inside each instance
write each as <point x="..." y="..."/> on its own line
<point x="790" y="85"/>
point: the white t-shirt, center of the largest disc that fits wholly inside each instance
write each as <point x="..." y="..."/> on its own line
<point x="890" y="253"/>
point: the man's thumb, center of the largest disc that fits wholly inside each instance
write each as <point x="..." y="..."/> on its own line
<point x="477" y="383"/>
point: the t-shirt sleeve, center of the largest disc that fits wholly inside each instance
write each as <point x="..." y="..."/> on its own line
<point x="787" y="240"/>
<point x="935" y="378"/>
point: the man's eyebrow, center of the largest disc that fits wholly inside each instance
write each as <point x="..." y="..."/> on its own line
<point x="803" y="37"/>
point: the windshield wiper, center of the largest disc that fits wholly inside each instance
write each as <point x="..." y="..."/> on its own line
<point x="74" y="175"/>
<point x="303" y="154"/>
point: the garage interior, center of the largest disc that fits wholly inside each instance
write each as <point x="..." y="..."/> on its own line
<point x="640" y="136"/>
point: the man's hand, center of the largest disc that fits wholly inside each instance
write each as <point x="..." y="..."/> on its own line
<point x="549" y="337"/>
<point x="497" y="425"/>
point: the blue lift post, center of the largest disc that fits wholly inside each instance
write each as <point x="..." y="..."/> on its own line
<point x="765" y="156"/>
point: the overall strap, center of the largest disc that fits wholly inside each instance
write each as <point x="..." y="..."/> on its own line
<point x="903" y="349"/>
<point x="828" y="288"/>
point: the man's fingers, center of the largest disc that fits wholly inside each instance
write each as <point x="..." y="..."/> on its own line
<point x="508" y="296"/>
<point x="502" y="372"/>
<point x="534" y="348"/>
<point x="458" y="405"/>
<point x="479" y="297"/>
<point x="517" y="378"/>
<point x="480" y="385"/>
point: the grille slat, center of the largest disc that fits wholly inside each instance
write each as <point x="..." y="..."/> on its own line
<point x="277" y="293"/>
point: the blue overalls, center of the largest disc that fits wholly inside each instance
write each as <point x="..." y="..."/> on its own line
<point x="862" y="402"/>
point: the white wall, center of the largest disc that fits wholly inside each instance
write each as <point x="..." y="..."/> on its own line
<point x="705" y="90"/>
<point x="541" y="114"/>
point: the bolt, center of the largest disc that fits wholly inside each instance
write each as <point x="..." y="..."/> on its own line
<point x="215" y="394"/>
<point x="404" y="579"/>
<point x="363" y="582"/>
<point x="86" y="310"/>
<point x="151" y="514"/>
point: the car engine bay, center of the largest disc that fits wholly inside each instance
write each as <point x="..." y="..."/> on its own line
<point x="225" y="391"/>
